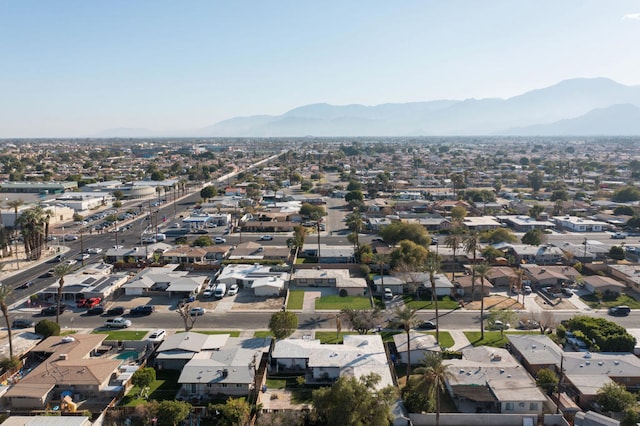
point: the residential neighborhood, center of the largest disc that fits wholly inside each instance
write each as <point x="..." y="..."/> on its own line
<point x="271" y="274"/>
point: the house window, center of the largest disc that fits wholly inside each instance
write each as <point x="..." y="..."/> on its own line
<point x="332" y="280"/>
<point x="223" y="385"/>
<point x="239" y="385"/>
<point x="509" y="406"/>
<point x="208" y="385"/>
<point x="318" y="281"/>
<point x="533" y="406"/>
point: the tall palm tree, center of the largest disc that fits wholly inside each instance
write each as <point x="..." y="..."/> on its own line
<point x="481" y="270"/>
<point x="405" y="318"/>
<point x="380" y="259"/>
<point x="5" y="292"/>
<point x="59" y="272"/>
<point x="453" y="241"/>
<point x="355" y="223"/>
<point x="432" y="266"/>
<point x="519" y="274"/>
<point x="15" y="204"/>
<point x="471" y="244"/>
<point x="34" y="224"/>
<point x="436" y="375"/>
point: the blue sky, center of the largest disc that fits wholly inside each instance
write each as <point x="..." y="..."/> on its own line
<point x="75" y="68"/>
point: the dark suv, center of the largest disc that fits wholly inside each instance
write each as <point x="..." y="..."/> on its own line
<point x="142" y="310"/>
<point x="51" y="310"/>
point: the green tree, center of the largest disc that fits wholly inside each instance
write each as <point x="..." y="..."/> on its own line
<point x="5" y="293"/>
<point x="405" y="319"/>
<point x="47" y="328"/>
<point x="34" y="223"/>
<point x="171" y="412"/>
<point x="614" y="397"/>
<point x="532" y="237"/>
<point x="491" y="253"/>
<point x="59" y="272"/>
<point x="547" y="380"/>
<point x="454" y="241"/>
<point x="353" y="402"/>
<point x="208" y="192"/>
<point x="436" y="375"/>
<point x="143" y="377"/>
<point x="234" y="412"/>
<point x="299" y="235"/>
<point x="626" y="194"/>
<point x="505" y="316"/>
<point x="536" y="180"/>
<point x="312" y="212"/>
<point x="499" y="235"/>
<point x="283" y="323"/>
<point x="202" y="241"/>
<point x="536" y="210"/>
<point x="624" y="210"/>
<point x="616" y="253"/>
<point x="409" y="254"/>
<point x="355" y="223"/>
<point x="397" y="231"/>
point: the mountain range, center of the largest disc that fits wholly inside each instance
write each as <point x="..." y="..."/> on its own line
<point x="576" y="107"/>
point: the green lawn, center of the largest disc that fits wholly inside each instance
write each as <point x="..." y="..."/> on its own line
<point x="123" y="334"/>
<point x="332" y="336"/>
<point x="445" y="303"/>
<point x="492" y="338"/>
<point x="446" y="341"/>
<point x="336" y="302"/>
<point x="263" y="334"/>
<point x="164" y="387"/>
<point x="623" y="299"/>
<point x="296" y="297"/>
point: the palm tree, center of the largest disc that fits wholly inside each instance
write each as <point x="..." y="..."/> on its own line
<point x="432" y="266"/>
<point x="60" y="272"/>
<point x="5" y="292"/>
<point x="453" y="241"/>
<point x="520" y="273"/>
<point x="15" y="204"/>
<point x="471" y="244"/>
<point x="354" y="222"/>
<point x="34" y="223"/>
<point x="481" y="270"/>
<point x="405" y="318"/>
<point x="436" y="375"/>
<point x="380" y="259"/>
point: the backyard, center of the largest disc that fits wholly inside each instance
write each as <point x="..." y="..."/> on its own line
<point x="164" y="387"/>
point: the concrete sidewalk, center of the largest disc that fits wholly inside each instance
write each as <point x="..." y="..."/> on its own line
<point x="459" y="339"/>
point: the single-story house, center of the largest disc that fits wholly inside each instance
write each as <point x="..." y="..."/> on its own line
<point x="335" y="278"/>
<point x="328" y="253"/>
<point x="178" y="349"/>
<point x="230" y="370"/>
<point x="420" y="344"/>
<point x="388" y="281"/>
<point x="269" y="286"/>
<point x="244" y="275"/>
<point x="502" y="276"/>
<point x="176" y="283"/>
<point x="490" y="380"/>
<point x="605" y="285"/>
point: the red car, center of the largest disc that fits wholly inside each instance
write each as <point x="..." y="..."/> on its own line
<point x="81" y="303"/>
<point x="93" y="302"/>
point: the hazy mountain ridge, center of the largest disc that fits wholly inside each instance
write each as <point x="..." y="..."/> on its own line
<point x="572" y="107"/>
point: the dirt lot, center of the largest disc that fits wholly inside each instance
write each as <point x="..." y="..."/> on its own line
<point x="245" y="300"/>
<point x="495" y="302"/>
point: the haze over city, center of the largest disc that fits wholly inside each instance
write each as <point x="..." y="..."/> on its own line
<point x="75" y="69"/>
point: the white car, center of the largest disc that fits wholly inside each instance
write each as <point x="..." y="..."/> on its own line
<point x="219" y="240"/>
<point x="117" y="323"/>
<point x="71" y="262"/>
<point x="388" y="294"/>
<point x="94" y="250"/>
<point x="70" y="237"/>
<point x="266" y="238"/>
<point x="157" y="335"/>
<point x="233" y="290"/>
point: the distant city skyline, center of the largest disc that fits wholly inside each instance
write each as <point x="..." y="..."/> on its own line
<point x="74" y="68"/>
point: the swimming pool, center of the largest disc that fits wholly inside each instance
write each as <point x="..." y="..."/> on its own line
<point x="128" y="355"/>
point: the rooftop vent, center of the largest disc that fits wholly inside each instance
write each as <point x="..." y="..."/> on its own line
<point x="63" y="356"/>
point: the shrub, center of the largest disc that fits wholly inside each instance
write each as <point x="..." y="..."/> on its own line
<point x="343" y="292"/>
<point x="47" y="328"/>
<point x="561" y="331"/>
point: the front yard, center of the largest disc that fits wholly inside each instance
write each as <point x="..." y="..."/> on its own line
<point x="335" y="302"/>
<point x="608" y="301"/>
<point x="444" y="303"/>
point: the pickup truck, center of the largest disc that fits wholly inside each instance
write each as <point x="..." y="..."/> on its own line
<point x="117" y="323"/>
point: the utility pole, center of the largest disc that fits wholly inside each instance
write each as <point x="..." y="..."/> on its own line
<point x="82" y="247"/>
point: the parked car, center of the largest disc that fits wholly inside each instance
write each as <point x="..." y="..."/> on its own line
<point x="527" y="289"/>
<point x="142" y="310"/>
<point x="81" y="303"/>
<point x="116" y="310"/>
<point x="233" y="290"/>
<point x="619" y="235"/>
<point x="96" y="310"/>
<point x="527" y="324"/>
<point x="196" y="312"/>
<point x="93" y="301"/>
<point x="51" y="310"/>
<point x="208" y="293"/>
<point x="499" y="325"/>
<point x="117" y="323"/>
<point x="427" y="325"/>
<point x="219" y="240"/>
<point x="388" y="294"/>
<point x="157" y="335"/>
<point x="619" y="311"/>
<point x="266" y="238"/>
<point x="220" y="291"/>
<point x="22" y="323"/>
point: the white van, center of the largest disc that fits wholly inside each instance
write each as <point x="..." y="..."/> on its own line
<point x="221" y="290"/>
